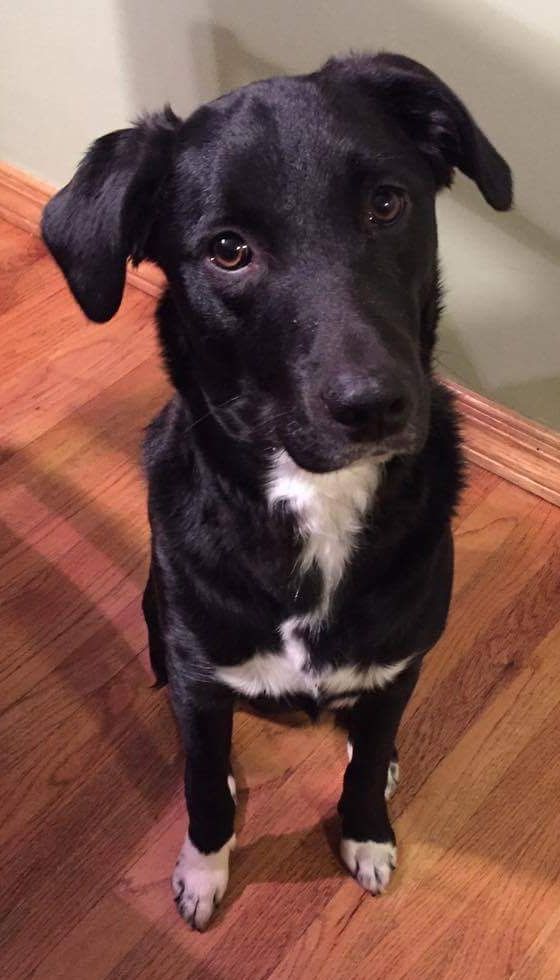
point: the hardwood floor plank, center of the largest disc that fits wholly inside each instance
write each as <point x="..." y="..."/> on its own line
<point x="81" y="361"/>
<point x="78" y="844"/>
<point x="513" y="885"/>
<point x="479" y="483"/>
<point x="542" y="961"/>
<point x="485" y="594"/>
<point x="25" y="271"/>
<point x="74" y="529"/>
<point x="91" y="952"/>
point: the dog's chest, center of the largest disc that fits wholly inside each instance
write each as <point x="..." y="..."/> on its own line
<point x="329" y="510"/>
<point x="290" y="672"/>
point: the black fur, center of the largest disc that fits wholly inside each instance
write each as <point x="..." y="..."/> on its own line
<point x="329" y="299"/>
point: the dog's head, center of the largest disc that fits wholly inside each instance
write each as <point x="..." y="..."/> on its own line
<point x="295" y="222"/>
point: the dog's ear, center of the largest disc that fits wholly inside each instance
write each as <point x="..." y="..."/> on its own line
<point x="434" y="117"/>
<point x="104" y="215"/>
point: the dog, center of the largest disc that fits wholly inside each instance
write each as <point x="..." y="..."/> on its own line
<point x="303" y="478"/>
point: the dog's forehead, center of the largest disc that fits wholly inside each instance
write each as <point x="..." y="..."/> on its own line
<point x="285" y="134"/>
<point x="286" y="114"/>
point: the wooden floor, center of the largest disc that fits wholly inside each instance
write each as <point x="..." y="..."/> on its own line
<point x="91" y="808"/>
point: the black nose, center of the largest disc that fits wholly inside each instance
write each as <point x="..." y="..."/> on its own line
<point x="375" y="407"/>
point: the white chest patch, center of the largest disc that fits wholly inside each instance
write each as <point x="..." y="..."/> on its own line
<point x="278" y="675"/>
<point x="329" y="509"/>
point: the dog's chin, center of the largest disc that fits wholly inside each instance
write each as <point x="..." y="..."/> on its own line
<point x="314" y="463"/>
<point x="321" y="453"/>
<point x="316" y="459"/>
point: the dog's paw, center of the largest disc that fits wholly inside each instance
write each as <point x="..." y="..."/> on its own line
<point x="371" y="862"/>
<point x="199" y="882"/>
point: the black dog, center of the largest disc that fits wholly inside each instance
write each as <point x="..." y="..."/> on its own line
<point x="302" y="479"/>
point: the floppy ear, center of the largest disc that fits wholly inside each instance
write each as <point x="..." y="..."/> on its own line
<point x="104" y="215"/>
<point x="433" y="116"/>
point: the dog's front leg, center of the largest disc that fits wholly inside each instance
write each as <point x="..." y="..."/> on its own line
<point x="368" y="843"/>
<point x="201" y="874"/>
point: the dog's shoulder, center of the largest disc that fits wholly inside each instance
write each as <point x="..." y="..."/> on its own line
<point x="168" y="458"/>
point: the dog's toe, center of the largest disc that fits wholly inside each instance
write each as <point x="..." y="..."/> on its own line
<point x="371" y="862"/>
<point x="199" y="882"/>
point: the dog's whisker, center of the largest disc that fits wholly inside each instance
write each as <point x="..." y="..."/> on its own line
<point x="215" y="408"/>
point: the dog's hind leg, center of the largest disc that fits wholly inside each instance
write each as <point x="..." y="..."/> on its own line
<point x="155" y="638"/>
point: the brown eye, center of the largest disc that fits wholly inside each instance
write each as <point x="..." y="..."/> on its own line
<point x="385" y="205"/>
<point x="229" y="251"/>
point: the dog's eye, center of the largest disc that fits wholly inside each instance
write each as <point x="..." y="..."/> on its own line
<point x="229" y="251"/>
<point x="385" y="205"/>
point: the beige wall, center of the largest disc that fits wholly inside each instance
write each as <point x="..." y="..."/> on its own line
<point x="73" y="69"/>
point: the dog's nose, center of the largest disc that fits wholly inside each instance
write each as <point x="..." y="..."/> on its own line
<point x="374" y="407"/>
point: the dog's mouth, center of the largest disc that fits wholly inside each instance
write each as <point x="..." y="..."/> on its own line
<point x="327" y="429"/>
<point x="319" y="455"/>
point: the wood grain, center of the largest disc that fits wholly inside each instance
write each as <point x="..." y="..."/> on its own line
<point x="91" y="814"/>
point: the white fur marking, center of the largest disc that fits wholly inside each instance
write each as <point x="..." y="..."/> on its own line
<point x="199" y="881"/>
<point x="280" y="674"/>
<point x="344" y="702"/>
<point x="371" y="862"/>
<point x="393" y="776"/>
<point x="232" y="787"/>
<point x="329" y="508"/>
<point x="272" y="674"/>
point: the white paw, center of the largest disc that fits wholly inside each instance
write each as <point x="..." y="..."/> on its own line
<point x="393" y="772"/>
<point x="199" y="881"/>
<point x="370" y="861"/>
